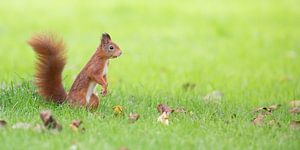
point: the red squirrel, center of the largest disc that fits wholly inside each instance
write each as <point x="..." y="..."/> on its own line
<point x="51" y="61"/>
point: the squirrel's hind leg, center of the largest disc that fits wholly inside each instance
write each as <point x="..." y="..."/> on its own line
<point x="94" y="102"/>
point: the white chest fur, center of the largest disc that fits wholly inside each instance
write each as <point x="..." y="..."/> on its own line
<point x="90" y="91"/>
<point x="105" y="69"/>
<point x="92" y="84"/>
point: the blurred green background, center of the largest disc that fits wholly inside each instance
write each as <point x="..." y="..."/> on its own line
<point x="248" y="49"/>
<point x="163" y="41"/>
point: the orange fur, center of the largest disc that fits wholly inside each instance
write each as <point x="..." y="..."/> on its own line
<point x="50" y="65"/>
<point x="51" y="62"/>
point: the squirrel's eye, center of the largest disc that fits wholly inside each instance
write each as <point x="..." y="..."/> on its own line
<point x="111" y="47"/>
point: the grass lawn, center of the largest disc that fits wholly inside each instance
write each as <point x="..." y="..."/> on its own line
<point x="249" y="50"/>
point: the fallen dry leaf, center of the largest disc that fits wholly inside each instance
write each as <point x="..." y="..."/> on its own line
<point x="49" y="121"/>
<point x="180" y="110"/>
<point x="2" y="123"/>
<point x="21" y="125"/>
<point x="118" y="110"/>
<point x="161" y="108"/>
<point x="260" y="108"/>
<point x="295" y="103"/>
<point x="164" y="118"/>
<point x="268" y="109"/>
<point x="263" y="109"/>
<point x="133" y="117"/>
<point x="215" y="97"/>
<point x="295" y="110"/>
<point x="75" y="125"/>
<point x="274" y="107"/>
<point x="295" y="124"/>
<point x="259" y="119"/>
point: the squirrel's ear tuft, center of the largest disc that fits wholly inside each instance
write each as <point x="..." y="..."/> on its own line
<point x="105" y="38"/>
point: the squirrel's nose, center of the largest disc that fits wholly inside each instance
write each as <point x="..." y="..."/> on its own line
<point x="120" y="53"/>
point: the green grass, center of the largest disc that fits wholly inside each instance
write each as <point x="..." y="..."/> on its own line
<point x="249" y="50"/>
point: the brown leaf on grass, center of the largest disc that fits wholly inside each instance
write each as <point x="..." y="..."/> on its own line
<point x="260" y="108"/>
<point x="164" y="118"/>
<point x="75" y="125"/>
<point x="295" y="110"/>
<point x="2" y="123"/>
<point x="161" y="108"/>
<point x="295" y="124"/>
<point x="188" y="86"/>
<point x="259" y="119"/>
<point x="21" y="125"/>
<point x="274" y="107"/>
<point x="268" y="109"/>
<point x="49" y="121"/>
<point x="295" y="103"/>
<point x="213" y="97"/>
<point x="133" y="117"/>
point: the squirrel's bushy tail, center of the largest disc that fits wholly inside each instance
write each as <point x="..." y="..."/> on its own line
<point x="50" y="64"/>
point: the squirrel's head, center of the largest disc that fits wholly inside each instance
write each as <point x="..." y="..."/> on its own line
<point x="109" y="49"/>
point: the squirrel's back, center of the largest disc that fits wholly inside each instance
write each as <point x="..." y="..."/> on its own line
<point x="49" y="67"/>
